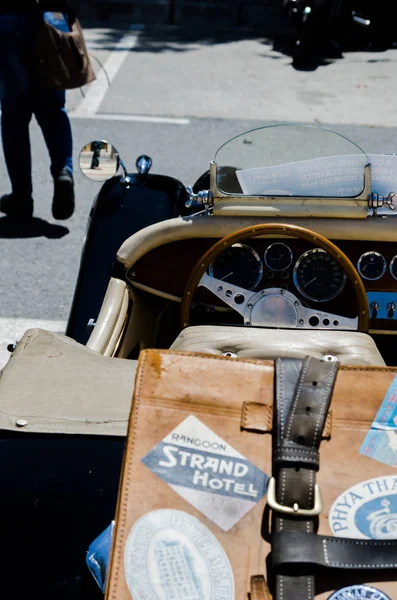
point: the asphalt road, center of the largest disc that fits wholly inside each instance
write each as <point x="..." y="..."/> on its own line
<point x="176" y="98"/>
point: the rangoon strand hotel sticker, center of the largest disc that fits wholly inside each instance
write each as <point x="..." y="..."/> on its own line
<point x="171" y="555"/>
<point x="358" y="592"/>
<point x="367" y="510"/>
<point x="207" y="472"/>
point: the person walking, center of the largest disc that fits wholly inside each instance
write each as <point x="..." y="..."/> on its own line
<point x="96" y="154"/>
<point x="20" y="99"/>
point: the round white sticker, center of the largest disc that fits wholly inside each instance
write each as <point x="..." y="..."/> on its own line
<point x="170" y="554"/>
<point x="367" y="510"/>
<point x="358" y="592"/>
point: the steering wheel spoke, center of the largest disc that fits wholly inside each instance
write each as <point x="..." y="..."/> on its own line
<point x="234" y="296"/>
<point x="311" y="318"/>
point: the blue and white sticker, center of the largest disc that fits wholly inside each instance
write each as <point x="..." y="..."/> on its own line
<point x="380" y="443"/>
<point x="171" y="555"/>
<point x="367" y="510"/>
<point x="358" y="592"/>
<point x="207" y="472"/>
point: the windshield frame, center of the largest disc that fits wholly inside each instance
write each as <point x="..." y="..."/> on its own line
<point x="235" y="204"/>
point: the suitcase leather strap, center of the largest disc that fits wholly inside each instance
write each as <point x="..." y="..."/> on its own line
<point x="315" y="552"/>
<point x="303" y="395"/>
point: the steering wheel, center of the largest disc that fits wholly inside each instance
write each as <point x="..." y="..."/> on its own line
<point x="275" y="307"/>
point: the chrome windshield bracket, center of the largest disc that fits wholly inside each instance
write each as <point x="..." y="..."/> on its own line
<point x="204" y="198"/>
<point x="376" y="201"/>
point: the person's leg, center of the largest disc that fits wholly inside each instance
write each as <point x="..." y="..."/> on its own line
<point x="51" y="115"/>
<point x="53" y="119"/>
<point x="16" y="47"/>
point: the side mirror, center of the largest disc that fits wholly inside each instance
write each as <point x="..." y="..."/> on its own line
<point x="99" y="160"/>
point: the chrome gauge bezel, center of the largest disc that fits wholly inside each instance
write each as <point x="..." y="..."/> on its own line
<point x="305" y="294"/>
<point x="393" y="260"/>
<point x="367" y="254"/>
<point x="254" y="254"/>
<point x="291" y="256"/>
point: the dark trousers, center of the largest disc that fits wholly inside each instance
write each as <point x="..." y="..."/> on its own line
<point x="20" y="100"/>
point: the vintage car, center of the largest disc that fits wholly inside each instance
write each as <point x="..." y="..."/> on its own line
<point x="292" y="252"/>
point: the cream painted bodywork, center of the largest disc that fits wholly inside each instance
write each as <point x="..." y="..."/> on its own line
<point x="111" y="319"/>
<point x="208" y="226"/>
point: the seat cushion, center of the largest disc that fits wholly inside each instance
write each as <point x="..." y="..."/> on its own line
<point x="52" y="384"/>
<point x="350" y="347"/>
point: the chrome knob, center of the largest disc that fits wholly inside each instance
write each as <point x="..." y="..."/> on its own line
<point x="374" y="306"/>
<point x="203" y="197"/>
<point x="391" y="309"/>
<point x="143" y="164"/>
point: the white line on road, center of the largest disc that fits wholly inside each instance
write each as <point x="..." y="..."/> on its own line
<point x="137" y="118"/>
<point x="99" y="87"/>
<point x="11" y="331"/>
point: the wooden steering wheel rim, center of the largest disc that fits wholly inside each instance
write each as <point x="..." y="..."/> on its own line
<point x="277" y="229"/>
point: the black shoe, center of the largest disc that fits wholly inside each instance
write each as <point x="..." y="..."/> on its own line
<point x="63" y="200"/>
<point x="16" y="208"/>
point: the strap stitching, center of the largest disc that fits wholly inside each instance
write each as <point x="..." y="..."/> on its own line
<point x="320" y="416"/>
<point x="325" y="549"/>
<point x="365" y="543"/>
<point x="359" y="566"/>
<point x="303" y="450"/>
<point x="304" y="459"/>
<point x="297" y="396"/>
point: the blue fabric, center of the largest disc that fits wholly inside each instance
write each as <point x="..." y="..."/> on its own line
<point x="19" y="101"/>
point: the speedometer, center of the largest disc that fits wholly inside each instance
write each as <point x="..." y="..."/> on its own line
<point x="239" y="265"/>
<point x="318" y="276"/>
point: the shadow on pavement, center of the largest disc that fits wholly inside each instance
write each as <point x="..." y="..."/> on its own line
<point x="173" y="38"/>
<point x="10" y="229"/>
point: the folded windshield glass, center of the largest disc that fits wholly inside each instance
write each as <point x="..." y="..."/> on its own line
<point x="291" y="160"/>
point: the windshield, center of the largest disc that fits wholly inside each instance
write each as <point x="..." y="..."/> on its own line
<point x="291" y="160"/>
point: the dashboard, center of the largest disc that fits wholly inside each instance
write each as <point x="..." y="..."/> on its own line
<point x="294" y="265"/>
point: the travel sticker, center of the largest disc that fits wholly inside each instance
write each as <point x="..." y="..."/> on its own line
<point x="380" y="442"/>
<point x="207" y="472"/>
<point x="367" y="510"/>
<point x="358" y="592"/>
<point x="171" y="555"/>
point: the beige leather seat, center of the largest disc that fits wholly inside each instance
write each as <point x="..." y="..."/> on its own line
<point x="350" y="347"/>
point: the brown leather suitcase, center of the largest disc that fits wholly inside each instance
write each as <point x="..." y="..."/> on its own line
<point x="192" y="521"/>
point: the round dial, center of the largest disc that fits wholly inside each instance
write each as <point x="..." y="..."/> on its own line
<point x="371" y="265"/>
<point x="278" y="256"/>
<point x="393" y="267"/>
<point x="318" y="276"/>
<point x="239" y="265"/>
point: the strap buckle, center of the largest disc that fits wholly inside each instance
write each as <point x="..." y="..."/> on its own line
<point x="294" y="510"/>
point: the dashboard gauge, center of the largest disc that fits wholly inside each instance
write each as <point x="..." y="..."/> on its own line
<point x="318" y="276"/>
<point x="393" y="267"/>
<point x="239" y="265"/>
<point x="371" y="265"/>
<point x="278" y="257"/>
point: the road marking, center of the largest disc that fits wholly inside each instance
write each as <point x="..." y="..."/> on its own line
<point x="137" y="118"/>
<point x="11" y="331"/>
<point x="99" y="87"/>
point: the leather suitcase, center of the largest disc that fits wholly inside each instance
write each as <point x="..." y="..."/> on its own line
<point x="192" y="520"/>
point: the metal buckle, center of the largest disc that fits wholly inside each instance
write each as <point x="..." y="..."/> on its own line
<point x="294" y="510"/>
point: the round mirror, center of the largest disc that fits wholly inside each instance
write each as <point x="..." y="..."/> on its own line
<point x="99" y="160"/>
